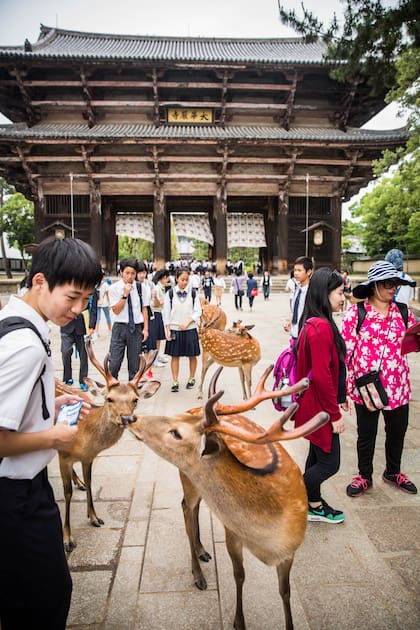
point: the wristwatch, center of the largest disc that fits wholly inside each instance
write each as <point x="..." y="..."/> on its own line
<point x="124" y="297"/>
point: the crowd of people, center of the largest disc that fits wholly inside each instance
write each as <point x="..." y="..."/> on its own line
<point x="143" y="313"/>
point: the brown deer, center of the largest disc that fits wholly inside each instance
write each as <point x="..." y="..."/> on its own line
<point x="212" y="316"/>
<point x="246" y="478"/>
<point x="232" y="348"/>
<point x="99" y="430"/>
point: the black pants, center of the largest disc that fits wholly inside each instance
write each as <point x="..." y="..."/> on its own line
<point x="207" y="293"/>
<point x="396" y="423"/>
<point x="67" y="341"/>
<point x="238" y="300"/>
<point x="320" y="466"/>
<point x="121" y="339"/>
<point x="35" y="582"/>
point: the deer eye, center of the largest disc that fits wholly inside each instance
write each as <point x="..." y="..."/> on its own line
<point x="109" y="400"/>
<point x="175" y="434"/>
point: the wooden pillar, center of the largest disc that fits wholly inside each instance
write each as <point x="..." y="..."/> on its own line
<point x="271" y="231"/>
<point x="110" y="239"/>
<point x="161" y="250"/>
<point x="39" y="213"/>
<point x="219" y="229"/>
<point x="96" y="221"/>
<point x="336" y="233"/>
<point x="283" y="235"/>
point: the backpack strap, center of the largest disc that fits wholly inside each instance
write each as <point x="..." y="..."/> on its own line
<point x="361" y="314"/>
<point x="9" y="324"/>
<point x="139" y="291"/>
<point x="171" y="295"/>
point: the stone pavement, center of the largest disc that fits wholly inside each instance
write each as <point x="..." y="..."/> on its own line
<point x="134" y="571"/>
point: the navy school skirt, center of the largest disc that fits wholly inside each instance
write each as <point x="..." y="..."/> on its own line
<point x="185" y="344"/>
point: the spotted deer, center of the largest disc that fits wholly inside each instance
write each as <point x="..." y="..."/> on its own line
<point x="245" y="476"/>
<point x="234" y="348"/>
<point x="211" y="315"/>
<point x="99" y="430"/>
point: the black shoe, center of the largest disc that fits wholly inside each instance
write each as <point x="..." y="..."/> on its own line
<point x="175" y="386"/>
<point x="401" y="481"/>
<point x="325" y="513"/>
<point x="358" y="486"/>
<point x="191" y="383"/>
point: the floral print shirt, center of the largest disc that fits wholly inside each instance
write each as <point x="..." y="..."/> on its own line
<point x="364" y="352"/>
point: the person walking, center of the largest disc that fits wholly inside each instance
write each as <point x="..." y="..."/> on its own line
<point x="302" y="272"/>
<point x="35" y="582"/>
<point x="405" y="292"/>
<point x="103" y="305"/>
<point x="375" y="344"/>
<point x="238" y="288"/>
<point x="251" y="289"/>
<point x="321" y="353"/>
<point x="181" y="314"/>
<point x="73" y="335"/>
<point x="156" y="327"/>
<point x="131" y="324"/>
<point x="219" y="287"/>
<point x="207" y="282"/>
<point x="266" y="284"/>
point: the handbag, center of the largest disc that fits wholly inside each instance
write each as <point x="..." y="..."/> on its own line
<point x="371" y="391"/>
<point x="370" y="387"/>
<point x="254" y="292"/>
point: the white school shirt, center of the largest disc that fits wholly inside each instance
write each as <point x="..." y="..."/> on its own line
<point x="181" y="310"/>
<point x="294" y="331"/>
<point x="22" y="359"/>
<point x="116" y="291"/>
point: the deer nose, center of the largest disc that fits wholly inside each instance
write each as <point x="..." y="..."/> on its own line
<point x="128" y="420"/>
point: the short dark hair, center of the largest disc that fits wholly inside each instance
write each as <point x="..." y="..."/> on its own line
<point x="129" y="262"/>
<point x="141" y="266"/>
<point x="305" y="262"/>
<point x="67" y="260"/>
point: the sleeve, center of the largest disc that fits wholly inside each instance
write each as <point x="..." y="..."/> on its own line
<point x="144" y="295"/>
<point x="166" y="311"/>
<point x="115" y="294"/>
<point x="196" y="312"/>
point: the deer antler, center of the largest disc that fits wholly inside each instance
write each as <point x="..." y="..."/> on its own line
<point x="109" y="379"/>
<point x="145" y="362"/>
<point x="212" y="423"/>
<point x="259" y="395"/>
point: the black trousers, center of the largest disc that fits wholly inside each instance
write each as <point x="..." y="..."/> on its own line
<point x="320" y="466"/>
<point x="238" y="300"/>
<point x="35" y="582"/>
<point x="122" y="339"/>
<point x="396" y="423"/>
<point x="67" y="341"/>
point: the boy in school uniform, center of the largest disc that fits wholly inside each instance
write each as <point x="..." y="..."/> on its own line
<point x="35" y="583"/>
<point x="131" y="322"/>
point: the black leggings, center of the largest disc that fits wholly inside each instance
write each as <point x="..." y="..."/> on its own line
<point x="396" y="423"/>
<point x="320" y="466"/>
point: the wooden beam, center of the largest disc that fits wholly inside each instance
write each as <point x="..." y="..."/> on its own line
<point x="29" y="175"/>
<point x="31" y="115"/>
<point x="90" y="114"/>
<point x="193" y="85"/>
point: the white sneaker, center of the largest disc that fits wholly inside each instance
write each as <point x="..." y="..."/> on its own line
<point x="159" y="364"/>
<point x="162" y="359"/>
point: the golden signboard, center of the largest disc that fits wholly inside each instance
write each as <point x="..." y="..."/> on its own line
<point x="187" y="116"/>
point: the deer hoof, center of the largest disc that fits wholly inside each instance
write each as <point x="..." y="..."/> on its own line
<point x="69" y="546"/>
<point x="97" y="522"/>
<point x="200" y="396"/>
<point x="201" y="583"/>
<point x="204" y="556"/>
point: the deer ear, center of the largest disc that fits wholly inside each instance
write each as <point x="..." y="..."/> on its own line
<point x="147" y="389"/>
<point x="95" y="388"/>
<point x="209" y="447"/>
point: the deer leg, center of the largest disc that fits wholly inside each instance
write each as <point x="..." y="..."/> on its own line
<point x="283" y="573"/>
<point x="77" y="481"/>
<point x="247" y="369"/>
<point x="206" y="362"/>
<point x="235" y="550"/>
<point x="242" y="375"/>
<point x="190" y="508"/>
<point x="87" y="477"/>
<point x="66" y="473"/>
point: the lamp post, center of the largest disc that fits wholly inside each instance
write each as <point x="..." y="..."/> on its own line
<point x="307" y="216"/>
<point x="71" y="205"/>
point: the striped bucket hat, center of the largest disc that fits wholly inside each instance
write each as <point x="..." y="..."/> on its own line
<point x="378" y="272"/>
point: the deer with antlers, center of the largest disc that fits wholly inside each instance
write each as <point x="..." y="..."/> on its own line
<point x="99" y="430"/>
<point x="245" y="477"/>
<point x="232" y="348"/>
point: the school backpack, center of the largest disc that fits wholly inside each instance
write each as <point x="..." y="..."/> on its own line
<point x="284" y="374"/>
<point x="9" y="324"/>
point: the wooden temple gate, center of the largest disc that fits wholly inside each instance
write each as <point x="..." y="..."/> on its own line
<point x="104" y="124"/>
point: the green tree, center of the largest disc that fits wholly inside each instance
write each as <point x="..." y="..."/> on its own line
<point x="17" y="221"/>
<point x="371" y="38"/>
<point x="134" y="248"/>
<point x="5" y="191"/>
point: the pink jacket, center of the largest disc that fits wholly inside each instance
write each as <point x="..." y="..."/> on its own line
<point x="368" y="346"/>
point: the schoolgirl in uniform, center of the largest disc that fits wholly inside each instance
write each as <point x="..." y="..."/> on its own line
<point x="181" y="314"/>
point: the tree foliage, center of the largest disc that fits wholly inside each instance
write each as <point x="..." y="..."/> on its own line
<point x="372" y="36"/>
<point x="390" y="214"/>
<point x="17" y="222"/>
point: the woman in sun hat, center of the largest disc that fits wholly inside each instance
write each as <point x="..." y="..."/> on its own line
<point x="404" y="293"/>
<point x="378" y="343"/>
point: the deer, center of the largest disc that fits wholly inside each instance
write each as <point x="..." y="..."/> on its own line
<point x="245" y="476"/>
<point x="232" y="348"/>
<point x="100" y="429"/>
<point x="212" y="316"/>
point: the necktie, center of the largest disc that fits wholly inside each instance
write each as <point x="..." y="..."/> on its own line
<point x="296" y="307"/>
<point x="131" y="325"/>
<point x="182" y="293"/>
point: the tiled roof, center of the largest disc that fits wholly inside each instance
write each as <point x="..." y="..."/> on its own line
<point x="20" y="131"/>
<point x="58" y="43"/>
